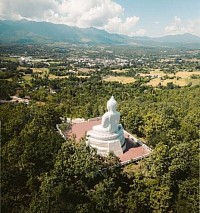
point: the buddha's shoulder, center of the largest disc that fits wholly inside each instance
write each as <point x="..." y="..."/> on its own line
<point x="106" y="114"/>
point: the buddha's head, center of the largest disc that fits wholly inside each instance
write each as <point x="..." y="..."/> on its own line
<point x="112" y="104"/>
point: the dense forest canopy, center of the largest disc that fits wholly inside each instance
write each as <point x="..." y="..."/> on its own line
<point x="41" y="172"/>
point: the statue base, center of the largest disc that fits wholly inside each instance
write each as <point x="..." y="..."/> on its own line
<point x="107" y="142"/>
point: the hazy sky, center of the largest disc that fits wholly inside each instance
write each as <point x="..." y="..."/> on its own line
<point x="129" y="17"/>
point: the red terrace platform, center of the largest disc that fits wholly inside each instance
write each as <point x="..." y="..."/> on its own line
<point x="135" y="150"/>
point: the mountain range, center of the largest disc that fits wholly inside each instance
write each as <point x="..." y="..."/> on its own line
<point x="31" y="32"/>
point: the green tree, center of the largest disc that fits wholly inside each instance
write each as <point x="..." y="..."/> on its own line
<point x="78" y="181"/>
<point x="26" y="156"/>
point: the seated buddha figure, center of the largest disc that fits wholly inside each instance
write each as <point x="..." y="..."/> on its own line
<point x="110" y="120"/>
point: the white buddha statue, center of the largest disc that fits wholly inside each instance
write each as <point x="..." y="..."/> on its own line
<point x="110" y="120"/>
<point x="109" y="135"/>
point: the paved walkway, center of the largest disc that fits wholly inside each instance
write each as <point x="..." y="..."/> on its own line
<point x="80" y="129"/>
<point x="133" y="150"/>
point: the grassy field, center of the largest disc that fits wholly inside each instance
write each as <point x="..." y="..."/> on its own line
<point x="8" y="79"/>
<point x="82" y="76"/>
<point x="27" y="78"/>
<point x="51" y="76"/>
<point x="13" y="59"/>
<point x="35" y="70"/>
<point x="41" y="72"/>
<point x="183" y="78"/>
<point x="86" y="70"/>
<point x="120" y="71"/>
<point x="21" y="68"/>
<point x="194" y="82"/>
<point x="180" y="82"/>
<point x="121" y="79"/>
<point x="182" y="74"/>
<point x="160" y="73"/>
<point x="186" y="74"/>
<point x="180" y="78"/>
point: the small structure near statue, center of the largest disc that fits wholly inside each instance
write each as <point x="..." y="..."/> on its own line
<point x="107" y="135"/>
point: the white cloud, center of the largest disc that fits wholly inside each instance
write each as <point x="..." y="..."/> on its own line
<point x="88" y="13"/>
<point x="72" y="12"/>
<point x="30" y="9"/>
<point x="194" y="26"/>
<point x="140" y="32"/>
<point x="104" y="14"/>
<point x="116" y="25"/>
<point x="178" y="26"/>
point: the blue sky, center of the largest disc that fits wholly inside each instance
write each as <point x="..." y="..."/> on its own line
<point x="128" y="17"/>
<point x="163" y="9"/>
<point x="155" y="15"/>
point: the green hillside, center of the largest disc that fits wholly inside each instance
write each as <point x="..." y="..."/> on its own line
<point x="30" y="32"/>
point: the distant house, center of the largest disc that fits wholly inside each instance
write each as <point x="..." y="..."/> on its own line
<point x="26" y="60"/>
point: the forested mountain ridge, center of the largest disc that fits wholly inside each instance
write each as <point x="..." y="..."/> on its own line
<point x="30" y="32"/>
<point x="45" y="32"/>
